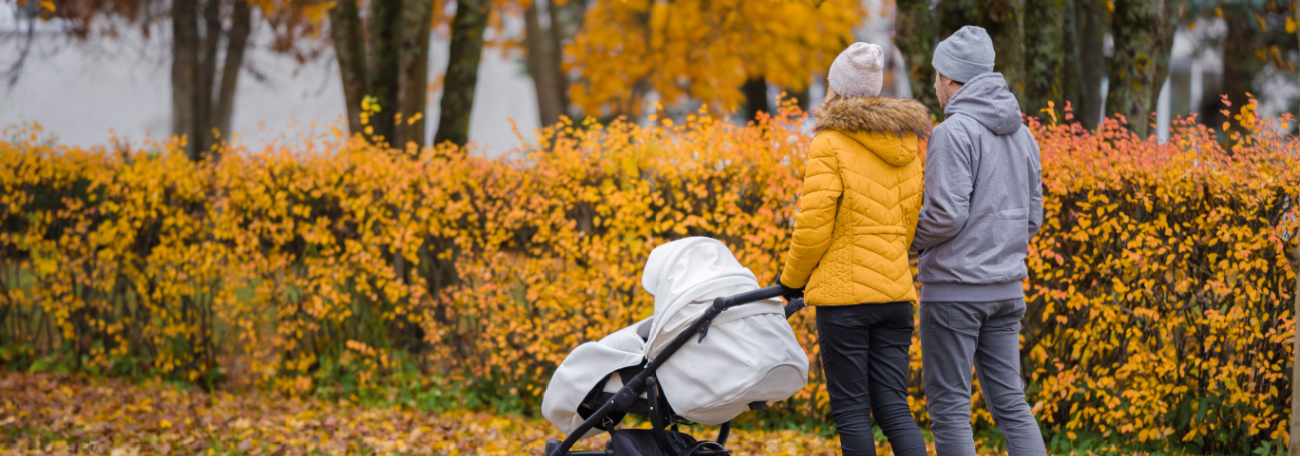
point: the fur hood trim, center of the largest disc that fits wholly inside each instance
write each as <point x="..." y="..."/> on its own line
<point x="875" y="115"/>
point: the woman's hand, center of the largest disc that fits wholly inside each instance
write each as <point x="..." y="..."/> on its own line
<point x="790" y="294"/>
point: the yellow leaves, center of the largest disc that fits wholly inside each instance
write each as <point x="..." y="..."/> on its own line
<point x="315" y="12"/>
<point x="1157" y="272"/>
<point x="704" y="50"/>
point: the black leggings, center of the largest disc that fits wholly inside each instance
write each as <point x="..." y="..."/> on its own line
<point x="864" y="350"/>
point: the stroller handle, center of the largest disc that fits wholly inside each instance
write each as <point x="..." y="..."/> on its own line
<point x="791" y="307"/>
<point x="752" y="296"/>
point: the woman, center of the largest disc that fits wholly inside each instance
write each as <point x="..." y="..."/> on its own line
<point x="857" y="215"/>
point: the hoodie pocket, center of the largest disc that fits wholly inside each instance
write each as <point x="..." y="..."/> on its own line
<point x="1011" y="230"/>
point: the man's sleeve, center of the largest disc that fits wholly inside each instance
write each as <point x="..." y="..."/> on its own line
<point x="1035" y="191"/>
<point x="948" y="185"/>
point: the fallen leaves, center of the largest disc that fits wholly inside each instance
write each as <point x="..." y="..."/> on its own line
<point x="53" y="414"/>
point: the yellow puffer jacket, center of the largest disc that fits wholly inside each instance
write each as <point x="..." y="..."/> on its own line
<point x="861" y="197"/>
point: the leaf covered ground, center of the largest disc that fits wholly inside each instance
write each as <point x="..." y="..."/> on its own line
<point x="55" y="414"/>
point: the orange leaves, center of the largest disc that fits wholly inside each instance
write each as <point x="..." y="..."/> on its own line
<point x="1171" y="264"/>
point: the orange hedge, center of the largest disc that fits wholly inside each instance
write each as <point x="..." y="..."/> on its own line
<point x="1160" y="288"/>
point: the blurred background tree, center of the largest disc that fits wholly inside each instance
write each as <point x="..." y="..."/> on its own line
<point x="721" y="53"/>
<point x="617" y="58"/>
<point x="209" y="42"/>
<point x="1076" y="49"/>
<point x="1256" y="37"/>
<point x="387" y="62"/>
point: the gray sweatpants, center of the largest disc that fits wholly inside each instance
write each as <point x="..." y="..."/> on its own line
<point x="986" y="335"/>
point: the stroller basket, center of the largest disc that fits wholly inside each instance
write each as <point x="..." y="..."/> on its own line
<point x="610" y="408"/>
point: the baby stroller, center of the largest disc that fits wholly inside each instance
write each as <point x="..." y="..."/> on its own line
<point x="749" y="359"/>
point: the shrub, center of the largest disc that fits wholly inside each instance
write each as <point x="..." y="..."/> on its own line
<point x="1160" y="312"/>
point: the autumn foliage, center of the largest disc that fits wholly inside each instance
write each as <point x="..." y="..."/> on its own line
<point x="1160" y="289"/>
<point x="702" y="50"/>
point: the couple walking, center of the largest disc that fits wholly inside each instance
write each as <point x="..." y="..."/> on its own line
<point x="860" y="213"/>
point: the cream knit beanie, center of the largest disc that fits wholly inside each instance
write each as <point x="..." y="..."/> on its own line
<point x="857" y="71"/>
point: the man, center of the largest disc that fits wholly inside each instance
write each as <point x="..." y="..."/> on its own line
<point x="982" y="204"/>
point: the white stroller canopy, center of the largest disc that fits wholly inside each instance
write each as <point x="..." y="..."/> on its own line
<point x="750" y="353"/>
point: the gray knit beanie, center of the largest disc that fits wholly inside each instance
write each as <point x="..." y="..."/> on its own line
<point x="965" y="55"/>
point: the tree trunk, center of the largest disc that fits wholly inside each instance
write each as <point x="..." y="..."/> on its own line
<point x="802" y="98"/>
<point x="1072" y="71"/>
<point x="350" y="50"/>
<point x="566" y="20"/>
<point x="955" y="14"/>
<point x="240" y="27"/>
<point x="1143" y="36"/>
<point x="385" y="65"/>
<point x="1044" y="55"/>
<point x="203" y="121"/>
<point x="544" y="66"/>
<point x="185" y="73"/>
<point x="1092" y="23"/>
<point x="1003" y="19"/>
<point x="414" y="90"/>
<point x="462" y="71"/>
<point x="914" y="27"/>
<point x="1240" y="65"/>
<point x="755" y="90"/>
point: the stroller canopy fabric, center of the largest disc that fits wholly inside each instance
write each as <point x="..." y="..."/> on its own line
<point x="749" y="354"/>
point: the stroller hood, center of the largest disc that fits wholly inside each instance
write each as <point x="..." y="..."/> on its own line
<point x="680" y="267"/>
<point x="685" y="273"/>
<point x="750" y="353"/>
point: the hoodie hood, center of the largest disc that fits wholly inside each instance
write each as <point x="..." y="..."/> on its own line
<point x="989" y="101"/>
<point x="879" y="124"/>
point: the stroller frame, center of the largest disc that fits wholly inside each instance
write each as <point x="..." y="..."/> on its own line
<point x="647" y="383"/>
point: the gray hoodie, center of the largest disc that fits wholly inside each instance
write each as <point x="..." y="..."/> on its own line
<point x="983" y="197"/>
